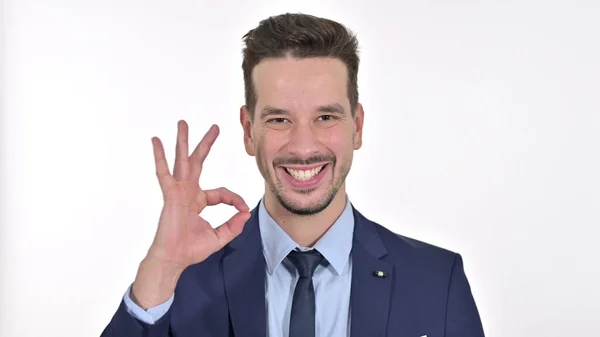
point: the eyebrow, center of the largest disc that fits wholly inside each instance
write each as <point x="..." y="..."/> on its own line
<point x="333" y="108"/>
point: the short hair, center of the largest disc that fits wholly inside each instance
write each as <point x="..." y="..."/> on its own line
<point x="299" y="36"/>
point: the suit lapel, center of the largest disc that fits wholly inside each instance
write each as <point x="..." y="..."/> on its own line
<point x="370" y="294"/>
<point x="244" y="277"/>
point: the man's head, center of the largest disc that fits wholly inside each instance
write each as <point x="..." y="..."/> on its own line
<point x="302" y="119"/>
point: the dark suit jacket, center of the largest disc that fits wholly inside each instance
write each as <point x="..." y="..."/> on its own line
<point x="424" y="292"/>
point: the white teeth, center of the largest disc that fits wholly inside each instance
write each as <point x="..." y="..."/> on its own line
<point x="304" y="174"/>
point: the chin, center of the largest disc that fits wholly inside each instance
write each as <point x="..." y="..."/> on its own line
<point x="305" y="202"/>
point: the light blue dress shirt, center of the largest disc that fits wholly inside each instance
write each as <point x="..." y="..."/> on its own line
<point x="331" y="280"/>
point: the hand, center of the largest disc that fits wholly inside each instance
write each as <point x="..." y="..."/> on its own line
<point x="183" y="237"/>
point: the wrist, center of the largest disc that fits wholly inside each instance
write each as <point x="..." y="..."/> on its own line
<point x="163" y="268"/>
<point x="155" y="282"/>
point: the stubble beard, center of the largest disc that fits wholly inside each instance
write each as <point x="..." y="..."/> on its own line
<point x="275" y="186"/>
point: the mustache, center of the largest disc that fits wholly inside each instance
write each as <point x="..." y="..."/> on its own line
<point x="282" y="161"/>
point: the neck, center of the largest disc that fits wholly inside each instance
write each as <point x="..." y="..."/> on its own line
<point x="306" y="230"/>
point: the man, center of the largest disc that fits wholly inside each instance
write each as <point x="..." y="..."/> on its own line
<point x="303" y="262"/>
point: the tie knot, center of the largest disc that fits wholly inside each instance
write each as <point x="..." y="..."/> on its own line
<point x="305" y="262"/>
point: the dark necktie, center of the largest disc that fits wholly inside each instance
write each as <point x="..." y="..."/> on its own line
<point x="302" y="319"/>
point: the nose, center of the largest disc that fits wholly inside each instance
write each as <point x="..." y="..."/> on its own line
<point x="303" y="141"/>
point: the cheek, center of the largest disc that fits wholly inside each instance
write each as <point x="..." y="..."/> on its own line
<point x="268" y="146"/>
<point x="340" y="143"/>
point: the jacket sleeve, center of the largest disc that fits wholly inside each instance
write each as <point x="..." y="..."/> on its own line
<point x="149" y="316"/>
<point x="462" y="316"/>
<point x="124" y="324"/>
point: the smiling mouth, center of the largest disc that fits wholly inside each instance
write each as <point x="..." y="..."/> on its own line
<point x="304" y="175"/>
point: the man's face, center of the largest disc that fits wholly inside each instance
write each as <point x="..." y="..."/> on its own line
<point x="303" y="133"/>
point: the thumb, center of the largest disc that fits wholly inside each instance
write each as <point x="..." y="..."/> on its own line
<point x="232" y="227"/>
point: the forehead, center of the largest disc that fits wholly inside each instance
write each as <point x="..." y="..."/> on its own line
<point x="300" y="83"/>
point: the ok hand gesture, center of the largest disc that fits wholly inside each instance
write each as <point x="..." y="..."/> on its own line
<point x="183" y="237"/>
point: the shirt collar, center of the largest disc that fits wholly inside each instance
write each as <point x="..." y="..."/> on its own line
<point x="335" y="245"/>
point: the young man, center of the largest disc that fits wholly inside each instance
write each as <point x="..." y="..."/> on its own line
<point x="304" y="262"/>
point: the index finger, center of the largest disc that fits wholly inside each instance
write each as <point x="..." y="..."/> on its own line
<point x="201" y="151"/>
<point x="222" y="195"/>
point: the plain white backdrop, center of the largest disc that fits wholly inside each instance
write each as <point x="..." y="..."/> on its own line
<point x="481" y="136"/>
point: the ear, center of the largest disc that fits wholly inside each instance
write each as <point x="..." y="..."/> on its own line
<point x="246" y="121"/>
<point x="359" y="117"/>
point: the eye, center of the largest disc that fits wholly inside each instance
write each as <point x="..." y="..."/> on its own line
<point x="327" y="117"/>
<point x="277" y="120"/>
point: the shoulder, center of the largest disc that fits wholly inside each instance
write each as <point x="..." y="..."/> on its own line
<point x="412" y="252"/>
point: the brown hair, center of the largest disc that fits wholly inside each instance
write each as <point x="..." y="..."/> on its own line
<point x="299" y="36"/>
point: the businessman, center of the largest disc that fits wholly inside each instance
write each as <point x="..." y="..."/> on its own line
<point x="303" y="262"/>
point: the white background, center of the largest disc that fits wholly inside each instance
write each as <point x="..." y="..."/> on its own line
<point x="481" y="136"/>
